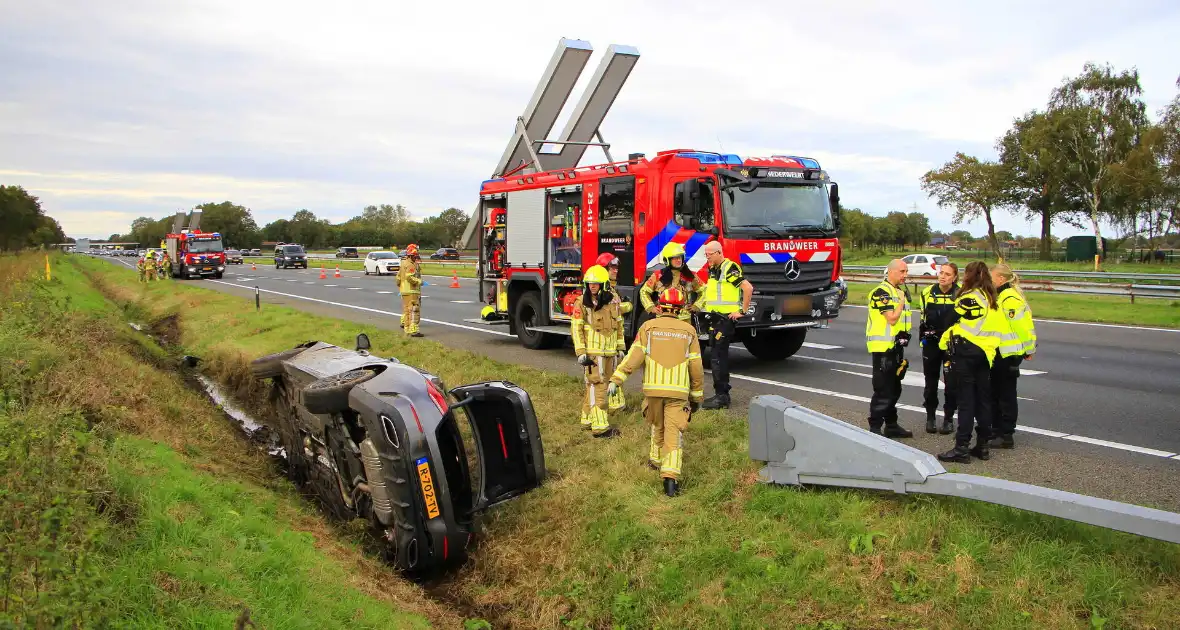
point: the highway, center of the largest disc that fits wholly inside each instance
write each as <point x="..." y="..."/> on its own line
<point x="1100" y="408"/>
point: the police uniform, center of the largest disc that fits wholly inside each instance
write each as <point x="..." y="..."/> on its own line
<point x="722" y="296"/>
<point x="886" y="342"/>
<point x="597" y="330"/>
<point x="973" y="342"/>
<point x="1020" y="343"/>
<point x="673" y="380"/>
<point x="409" y="283"/>
<point x="938" y="314"/>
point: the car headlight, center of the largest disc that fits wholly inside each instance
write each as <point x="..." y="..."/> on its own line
<point x="221" y="267"/>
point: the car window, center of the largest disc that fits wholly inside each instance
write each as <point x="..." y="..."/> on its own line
<point x="942" y="260"/>
<point x="292" y="249"/>
<point x="908" y="259"/>
<point x="383" y="255"/>
<point x="919" y="259"/>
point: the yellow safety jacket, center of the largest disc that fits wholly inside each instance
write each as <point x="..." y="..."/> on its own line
<point x="409" y="277"/>
<point x="880" y="335"/>
<point x="691" y="287"/>
<point x="722" y="293"/>
<point x="1020" y="323"/>
<point x="980" y="324"/>
<point x="598" y="332"/>
<point x="670" y="353"/>
<point x="625" y="307"/>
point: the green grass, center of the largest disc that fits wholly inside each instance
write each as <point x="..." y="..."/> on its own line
<point x="600" y="546"/>
<point x="1082" y="308"/>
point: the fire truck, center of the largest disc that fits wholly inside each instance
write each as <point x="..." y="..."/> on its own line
<point x="194" y="253"/>
<point x="777" y="216"/>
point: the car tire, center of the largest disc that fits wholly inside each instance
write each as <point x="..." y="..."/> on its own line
<point x="271" y="365"/>
<point x="330" y="394"/>
<point x="776" y="345"/>
<point x="289" y="437"/>
<point x="528" y="307"/>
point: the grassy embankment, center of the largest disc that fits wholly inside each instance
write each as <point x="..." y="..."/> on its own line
<point x="599" y="546"/>
<point x="127" y="499"/>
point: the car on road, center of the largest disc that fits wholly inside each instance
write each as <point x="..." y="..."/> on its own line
<point x="289" y="255"/>
<point x="347" y="252"/>
<point x="382" y="262"/>
<point x="255" y="252"/>
<point x="445" y="253"/>
<point x="234" y="257"/>
<point x="925" y="264"/>
<point x="375" y="439"/>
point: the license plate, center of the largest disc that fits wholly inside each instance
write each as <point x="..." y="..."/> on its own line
<point x="207" y="269"/>
<point x="796" y="305"/>
<point x="427" y="488"/>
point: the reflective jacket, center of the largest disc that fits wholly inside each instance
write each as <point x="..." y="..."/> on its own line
<point x="409" y="277"/>
<point x="722" y="293"/>
<point x="938" y="309"/>
<point x="1020" y="322"/>
<point x="670" y="353"/>
<point x="664" y="279"/>
<point x="598" y="331"/>
<point x="979" y="323"/>
<point x="880" y="335"/>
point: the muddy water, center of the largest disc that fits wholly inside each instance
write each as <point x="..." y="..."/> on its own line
<point x="254" y="430"/>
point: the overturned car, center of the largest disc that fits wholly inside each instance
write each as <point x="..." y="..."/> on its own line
<point x="377" y="439"/>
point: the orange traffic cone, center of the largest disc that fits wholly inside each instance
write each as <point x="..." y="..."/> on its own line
<point x="253" y="266"/>
<point x="454" y="279"/>
<point x="337" y="271"/>
<point x="323" y="273"/>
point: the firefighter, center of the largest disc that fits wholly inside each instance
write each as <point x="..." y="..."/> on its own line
<point x="938" y="314"/>
<point x="610" y="262"/>
<point x="165" y="266"/>
<point x="409" y="283"/>
<point x="675" y="274"/>
<point x="597" y="329"/>
<point x="1019" y="346"/>
<point x="972" y="342"/>
<point x="149" y="266"/>
<point x="141" y="267"/>
<point x="726" y="296"/>
<point x="673" y="382"/>
<point x="887" y="333"/>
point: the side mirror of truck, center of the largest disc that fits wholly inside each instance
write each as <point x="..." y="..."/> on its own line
<point x="834" y="201"/>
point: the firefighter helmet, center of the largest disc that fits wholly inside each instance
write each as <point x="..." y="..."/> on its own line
<point x="672" y="299"/>
<point x="596" y="275"/>
<point x="606" y="260"/>
<point x="150" y="254"/>
<point x="670" y="251"/>
<point x="411" y="250"/>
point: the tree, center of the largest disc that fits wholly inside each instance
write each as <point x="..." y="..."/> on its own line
<point x="21" y="216"/>
<point x="1102" y="116"/>
<point x="452" y="222"/>
<point x="973" y="188"/>
<point x="917" y="229"/>
<point x="235" y="224"/>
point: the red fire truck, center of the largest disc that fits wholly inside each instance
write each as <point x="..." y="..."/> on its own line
<point x="777" y="216"/>
<point x="195" y="253"/>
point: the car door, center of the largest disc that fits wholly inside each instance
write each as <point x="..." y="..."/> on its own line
<point x="507" y="437"/>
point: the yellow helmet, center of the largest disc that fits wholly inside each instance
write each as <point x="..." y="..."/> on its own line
<point x="151" y="254"/>
<point x="670" y="251"/>
<point x="596" y="275"/>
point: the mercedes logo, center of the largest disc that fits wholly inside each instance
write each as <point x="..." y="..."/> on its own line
<point x="791" y="269"/>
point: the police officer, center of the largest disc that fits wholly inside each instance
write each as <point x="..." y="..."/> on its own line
<point x="597" y="329"/>
<point x="726" y="296"/>
<point x="673" y="383"/>
<point x="887" y="333"/>
<point x="1017" y="347"/>
<point x="409" y="283"/>
<point x="972" y="342"/>
<point x="938" y="314"/>
<point x="675" y="274"/>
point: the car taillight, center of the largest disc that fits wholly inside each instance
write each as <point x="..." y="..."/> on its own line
<point x="437" y="396"/>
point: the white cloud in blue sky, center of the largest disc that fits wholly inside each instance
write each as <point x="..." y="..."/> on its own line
<point x="113" y="110"/>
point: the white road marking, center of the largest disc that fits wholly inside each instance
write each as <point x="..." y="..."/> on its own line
<point x="308" y="282"/>
<point x="1118" y="445"/>
<point x="910" y="378"/>
<point x="353" y="288"/>
<point x="385" y="292"/>
<point x="820" y="346"/>
<point x="329" y="285"/>
<point x="1024" y="372"/>
<point x="462" y="301"/>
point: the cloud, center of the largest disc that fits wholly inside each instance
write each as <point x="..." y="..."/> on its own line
<point x="131" y="107"/>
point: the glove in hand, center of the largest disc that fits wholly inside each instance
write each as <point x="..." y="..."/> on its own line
<point x="612" y="388"/>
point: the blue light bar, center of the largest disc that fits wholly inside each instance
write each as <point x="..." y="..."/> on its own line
<point x="805" y="161"/>
<point x="488" y="181"/>
<point x="711" y="158"/>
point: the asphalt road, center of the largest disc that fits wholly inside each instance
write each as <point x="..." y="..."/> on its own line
<point x="1100" y="408"/>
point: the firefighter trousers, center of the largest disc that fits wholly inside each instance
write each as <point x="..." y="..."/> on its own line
<point x="1005" y="371"/>
<point x="668" y="418"/>
<point x="594" y="403"/>
<point x="411" y="312"/>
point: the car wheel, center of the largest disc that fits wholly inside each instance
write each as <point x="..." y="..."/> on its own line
<point x="330" y="394"/>
<point x="271" y="365"/>
<point x="289" y="437"/>
<point x="528" y="313"/>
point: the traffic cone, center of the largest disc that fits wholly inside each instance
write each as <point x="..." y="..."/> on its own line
<point x="253" y="266"/>
<point x="323" y="273"/>
<point x="454" y="279"/>
<point x="337" y="271"/>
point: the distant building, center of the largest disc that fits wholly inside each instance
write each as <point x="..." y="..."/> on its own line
<point x="938" y="241"/>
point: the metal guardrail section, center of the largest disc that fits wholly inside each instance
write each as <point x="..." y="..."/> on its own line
<point x="801" y="446"/>
<point x="1088" y="288"/>
<point x="1055" y="274"/>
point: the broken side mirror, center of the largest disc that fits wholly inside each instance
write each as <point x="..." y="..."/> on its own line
<point x="362" y="343"/>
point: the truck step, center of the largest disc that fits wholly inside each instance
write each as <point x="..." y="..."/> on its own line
<point x="556" y="330"/>
<point x="498" y="322"/>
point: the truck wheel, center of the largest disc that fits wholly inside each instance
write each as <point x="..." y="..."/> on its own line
<point x="528" y="313"/>
<point x="271" y="365"/>
<point x="330" y="394"/>
<point x="776" y="345"/>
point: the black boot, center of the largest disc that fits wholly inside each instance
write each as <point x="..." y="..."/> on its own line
<point x="948" y="423"/>
<point x="874" y="427"/>
<point x="895" y="430"/>
<point x="716" y="402"/>
<point x="1002" y="441"/>
<point x="960" y="453"/>
<point x="930" y="423"/>
<point x="981" y="451"/>
<point x="670" y="486"/>
<point x="609" y="433"/>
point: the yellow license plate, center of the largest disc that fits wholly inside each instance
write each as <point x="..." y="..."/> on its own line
<point x="427" y="488"/>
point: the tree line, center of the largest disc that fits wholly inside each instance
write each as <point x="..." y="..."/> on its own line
<point x="381" y="225"/>
<point x="25" y="223"/>
<point x="894" y="230"/>
<point x="1091" y="155"/>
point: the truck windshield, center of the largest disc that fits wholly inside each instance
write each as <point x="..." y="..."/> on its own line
<point x="205" y="246"/>
<point x="777" y="208"/>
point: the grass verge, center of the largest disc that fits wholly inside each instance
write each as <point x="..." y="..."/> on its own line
<point x="126" y="499"/>
<point x="600" y="546"/>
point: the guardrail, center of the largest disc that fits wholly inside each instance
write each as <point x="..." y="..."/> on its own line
<point x="1033" y="273"/>
<point x="1132" y="291"/>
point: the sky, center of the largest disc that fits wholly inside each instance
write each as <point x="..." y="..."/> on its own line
<point x="110" y="111"/>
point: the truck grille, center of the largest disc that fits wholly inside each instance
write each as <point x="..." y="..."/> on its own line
<point x="769" y="277"/>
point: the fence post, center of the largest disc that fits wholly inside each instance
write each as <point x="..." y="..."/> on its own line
<point x="257" y="299"/>
<point x="1131" y="290"/>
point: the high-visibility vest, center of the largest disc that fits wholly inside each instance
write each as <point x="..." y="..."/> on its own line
<point x="980" y="324"/>
<point x="721" y="296"/>
<point x="880" y="335"/>
<point x="1020" y="323"/>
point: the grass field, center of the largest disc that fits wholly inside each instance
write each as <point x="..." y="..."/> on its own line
<point x="599" y="546"/>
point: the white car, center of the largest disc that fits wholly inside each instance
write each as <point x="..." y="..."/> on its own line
<point x="382" y="263"/>
<point x="924" y="264"/>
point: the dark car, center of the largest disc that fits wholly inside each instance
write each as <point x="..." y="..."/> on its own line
<point x="382" y="441"/>
<point x="233" y="256"/>
<point x="445" y="253"/>
<point x="347" y="252"/>
<point x="290" y="256"/>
